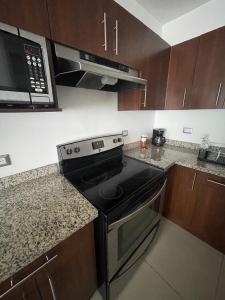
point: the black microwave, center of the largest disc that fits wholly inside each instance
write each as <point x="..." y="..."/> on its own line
<point x="23" y="79"/>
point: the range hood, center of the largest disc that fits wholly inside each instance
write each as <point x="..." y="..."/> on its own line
<point x="78" y="69"/>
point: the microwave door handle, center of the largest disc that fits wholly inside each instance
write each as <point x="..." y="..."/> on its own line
<point x="136" y="212"/>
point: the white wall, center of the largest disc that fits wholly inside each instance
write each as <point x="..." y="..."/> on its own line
<point x="205" y="18"/>
<point x="143" y="15"/>
<point x="203" y="122"/>
<point x="31" y="138"/>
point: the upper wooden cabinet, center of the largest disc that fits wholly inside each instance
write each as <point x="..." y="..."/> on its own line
<point x="157" y="71"/>
<point x="80" y="24"/>
<point x="181" y="73"/>
<point x="30" y="15"/>
<point x="126" y="36"/>
<point x="208" y="89"/>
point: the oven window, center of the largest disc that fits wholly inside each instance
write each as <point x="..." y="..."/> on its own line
<point x="129" y="233"/>
<point x="13" y="76"/>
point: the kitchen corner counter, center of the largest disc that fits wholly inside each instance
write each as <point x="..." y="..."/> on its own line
<point x="35" y="216"/>
<point x="168" y="155"/>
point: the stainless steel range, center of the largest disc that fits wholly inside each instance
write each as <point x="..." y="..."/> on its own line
<point x="128" y="194"/>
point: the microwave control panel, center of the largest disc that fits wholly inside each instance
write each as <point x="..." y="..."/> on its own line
<point x="36" y="71"/>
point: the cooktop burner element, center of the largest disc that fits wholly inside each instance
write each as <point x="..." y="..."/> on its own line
<point x="111" y="191"/>
<point x="93" y="179"/>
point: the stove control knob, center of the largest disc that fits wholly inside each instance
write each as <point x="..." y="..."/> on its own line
<point x="77" y="150"/>
<point x="119" y="140"/>
<point x="115" y="141"/>
<point x="69" y="151"/>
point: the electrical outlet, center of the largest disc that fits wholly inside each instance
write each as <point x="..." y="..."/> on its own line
<point x="125" y="133"/>
<point x="5" y="160"/>
<point x="187" y="130"/>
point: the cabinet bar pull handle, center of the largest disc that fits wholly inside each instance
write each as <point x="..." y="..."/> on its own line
<point x="27" y="277"/>
<point x="52" y="288"/>
<point x="117" y="41"/>
<point x="51" y="283"/>
<point x="215" y="182"/>
<point x="145" y="97"/>
<point x="193" y="183"/>
<point x="184" y="97"/>
<point x="104" y="22"/>
<point x="218" y="94"/>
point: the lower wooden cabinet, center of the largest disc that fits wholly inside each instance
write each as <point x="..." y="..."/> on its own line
<point x="181" y="196"/>
<point x="66" y="272"/>
<point x="196" y="201"/>
<point x="208" y="220"/>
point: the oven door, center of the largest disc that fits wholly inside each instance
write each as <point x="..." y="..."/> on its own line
<point x="127" y="234"/>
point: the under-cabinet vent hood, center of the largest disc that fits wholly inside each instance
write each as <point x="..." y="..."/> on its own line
<point x="79" y="69"/>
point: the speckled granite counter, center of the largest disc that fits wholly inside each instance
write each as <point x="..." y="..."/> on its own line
<point x="35" y="216"/>
<point x="166" y="156"/>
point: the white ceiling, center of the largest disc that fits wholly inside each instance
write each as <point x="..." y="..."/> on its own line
<point x="167" y="10"/>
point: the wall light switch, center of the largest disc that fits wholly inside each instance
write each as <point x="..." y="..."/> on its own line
<point x="5" y="160"/>
<point x="125" y="133"/>
<point x="188" y="130"/>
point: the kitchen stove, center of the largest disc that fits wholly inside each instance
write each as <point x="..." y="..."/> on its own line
<point x="128" y="194"/>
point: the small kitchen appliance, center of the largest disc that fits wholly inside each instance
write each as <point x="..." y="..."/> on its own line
<point x="25" y="79"/>
<point x="211" y="155"/>
<point x="128" y="194"/>
<point x="158" y="139"/>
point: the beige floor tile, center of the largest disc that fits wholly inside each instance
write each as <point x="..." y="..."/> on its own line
<point x="185" y="262"/>
<point x="221" y="284"/>
<point x="96" y="296"/>
<point x="145" y="284"/>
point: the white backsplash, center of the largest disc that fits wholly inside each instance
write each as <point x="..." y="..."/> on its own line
<point x="31" y="138"/>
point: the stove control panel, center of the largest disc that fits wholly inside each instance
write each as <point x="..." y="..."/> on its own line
<point x="98" y="144"/>
<point x="88" y="147"/>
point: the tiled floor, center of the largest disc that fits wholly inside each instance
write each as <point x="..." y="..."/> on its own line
<point x="178" y="266"/>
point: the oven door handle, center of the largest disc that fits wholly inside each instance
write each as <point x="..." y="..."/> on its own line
<point x="138" y="211"/>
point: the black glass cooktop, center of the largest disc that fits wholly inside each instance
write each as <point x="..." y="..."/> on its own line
<point x="111" y="182"/>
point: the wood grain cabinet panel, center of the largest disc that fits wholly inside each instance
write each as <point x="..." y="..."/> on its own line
<point x="74" y="271"/>
<point x="127" y="35"/>
<point x="30" y="15"/>
<point x="68" y="271"/>
<point x="181" y="196"/>
<point x="208" y="221"/>
<point x="196" y="201"/>
<point x="208" y="89"/>
<point x="181" y="74"/>
<point x="79" y="24"/>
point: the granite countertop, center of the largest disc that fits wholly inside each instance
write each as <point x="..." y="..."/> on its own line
<point x="35" y="216"/>
<point x="168" y="155"/>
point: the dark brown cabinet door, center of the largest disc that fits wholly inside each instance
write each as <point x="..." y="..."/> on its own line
<point x="157" y="78"/>
<point x="127" y="35"/>
<point x="67" y="272"/>
<point x="208" y="89"/>
<point x="181" y="73"/>
<point x="80" y="24"/>
<point x="73" y="273"/>
<point x="31" y="283"/>
<point x="31" y="15"/>
<point x="181" y="196"/>
<point x="208" y="222"/>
